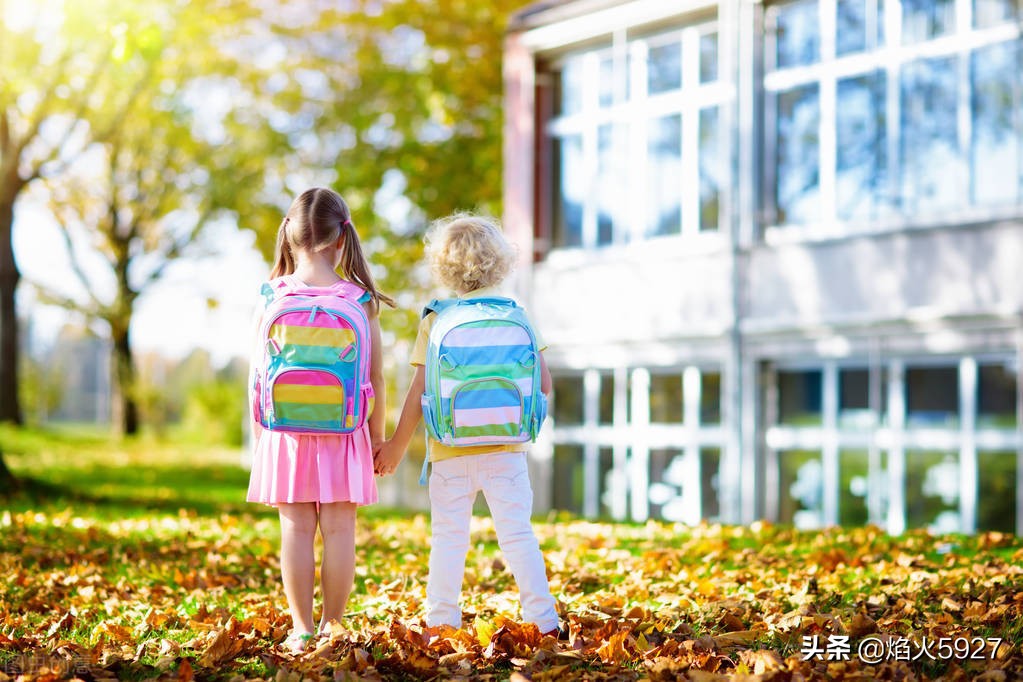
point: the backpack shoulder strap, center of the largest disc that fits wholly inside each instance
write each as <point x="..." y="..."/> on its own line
<point x="346" y="289"/>
<point x="438" y="305"/>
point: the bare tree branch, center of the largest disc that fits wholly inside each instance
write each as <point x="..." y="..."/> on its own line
<point x="76" y="265"/>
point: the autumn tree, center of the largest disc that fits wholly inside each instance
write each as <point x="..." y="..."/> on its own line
<point x="403" y="101"/>
<point x="107" y="104"/>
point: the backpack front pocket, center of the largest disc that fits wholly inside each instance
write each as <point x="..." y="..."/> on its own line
<point x="487" y="410"/>
<point x="308" y="400"/>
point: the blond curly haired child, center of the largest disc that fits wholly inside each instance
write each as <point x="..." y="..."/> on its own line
<point x="470" y="255"/>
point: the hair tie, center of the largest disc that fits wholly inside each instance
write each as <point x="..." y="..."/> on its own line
<point x="348" y="222"/>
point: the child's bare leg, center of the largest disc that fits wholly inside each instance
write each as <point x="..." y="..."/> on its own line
<point x="298" y="566"/>
<point x="337" y="572"/>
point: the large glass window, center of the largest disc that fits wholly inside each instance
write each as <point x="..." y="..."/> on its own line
<point x="952" y="87"/>
<point x="833" y="454"/>
<point x="638" y="148"/>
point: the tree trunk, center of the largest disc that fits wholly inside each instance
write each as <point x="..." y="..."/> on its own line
<point x="8" y="482"/>
<point x="10" y="409"/>
<point x="124" y="369"/>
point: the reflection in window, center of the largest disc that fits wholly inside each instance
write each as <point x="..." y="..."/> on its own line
<point x="799" y="397"/>
<point x="710" y="480"/>
<point x="571" y="178"/>
<point x="933" y="173"/>
<point x="798" y="35"/>
<point x="854" y="398"/>
<point x="996" y="396"/>
<point x="710" y="398"/>
<point x="854" y="487"/>
<point x="609" y="484"/>
<point x="671" y="492"/>
<point x="997" y="135"/>
<point x="664" y="175"/>
<point x="801" y="481"/>
<point x="569" y="99"/>
<point x="568" y="486"/>
<point x="712" y="169"/>
<point x="798" y="162"/>
<point x="606" y="81"/>
<point x="861" y="178"/>
<point x="932" y="491"/>
<point x="606" y="412"/>
<point x="666" y="399"/>
<point x="926" y="19"/>
<point x="932" y="396"/>
<point x="860" y="25"/>
<point x="669" y="479"/>
<point x="996" y="491"/>
<point x="708" y="57"/>
<point x="992" y="12"/>
<point x="664" y="67"/>
<point x="610" y="182"/>
<point x="568" y="400"/>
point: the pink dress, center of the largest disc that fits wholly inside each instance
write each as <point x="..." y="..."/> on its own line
<point x="290" y="468"/>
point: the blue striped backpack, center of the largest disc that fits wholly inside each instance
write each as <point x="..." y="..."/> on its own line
<point x="482" y="374"/>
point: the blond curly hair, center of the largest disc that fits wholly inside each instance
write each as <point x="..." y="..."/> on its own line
<point x="469" y="252"/>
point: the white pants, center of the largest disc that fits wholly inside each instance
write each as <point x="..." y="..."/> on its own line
<point x="504" y="479"/>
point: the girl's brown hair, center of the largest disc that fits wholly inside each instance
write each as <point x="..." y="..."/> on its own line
<point x="316" y="219"/>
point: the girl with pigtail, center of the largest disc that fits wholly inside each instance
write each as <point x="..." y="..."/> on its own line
<point x="312" y="459"/>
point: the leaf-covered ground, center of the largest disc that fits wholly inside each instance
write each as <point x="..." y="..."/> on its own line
<point x="138" y="562"/>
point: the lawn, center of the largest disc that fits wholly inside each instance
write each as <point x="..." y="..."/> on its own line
<point x="140" y="560"/>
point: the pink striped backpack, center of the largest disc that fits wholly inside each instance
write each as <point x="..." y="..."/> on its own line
<point x="314" y="377"/>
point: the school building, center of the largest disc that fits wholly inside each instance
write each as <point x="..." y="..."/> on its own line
<point x="777" y="251"/>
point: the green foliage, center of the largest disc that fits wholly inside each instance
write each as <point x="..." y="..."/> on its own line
<point x="215" y="413"/>
<point x="41" y="388"/>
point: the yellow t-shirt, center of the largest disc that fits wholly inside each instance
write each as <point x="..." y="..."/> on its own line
<point x="439" y="451"/>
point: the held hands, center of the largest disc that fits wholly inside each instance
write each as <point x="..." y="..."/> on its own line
<point x="387" y="458"/>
